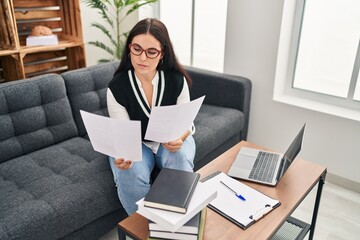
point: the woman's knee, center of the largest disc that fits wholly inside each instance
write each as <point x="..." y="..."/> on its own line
<point x="179" y="160"/>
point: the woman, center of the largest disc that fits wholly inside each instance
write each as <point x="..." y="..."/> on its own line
<point x="149" y="75"/>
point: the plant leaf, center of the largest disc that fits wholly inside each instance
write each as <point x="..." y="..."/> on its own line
<point x="101" y="7"/>
<point x="102" y="46"/>
<point x="136" y="5"/>
<point x="109" y="11"/>
<point x="106" y="32"/>
<point x="103" y="60"/>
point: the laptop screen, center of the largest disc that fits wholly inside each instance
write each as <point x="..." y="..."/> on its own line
<point x="292" y="152"/>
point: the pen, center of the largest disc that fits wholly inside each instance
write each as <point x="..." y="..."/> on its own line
<point x="236" y="194"/>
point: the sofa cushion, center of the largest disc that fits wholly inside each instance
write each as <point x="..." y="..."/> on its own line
<point x="34" y="113"/>
<point x="52" y="192"/>
<point x="215" y="126"/>
<point x="86" y="89"/>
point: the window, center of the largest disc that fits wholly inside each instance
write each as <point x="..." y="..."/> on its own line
<point x="319" y="56"/>
<point x="197" y="30"/>
<point x="178" y="20"/>
<point x="209" y="34"/>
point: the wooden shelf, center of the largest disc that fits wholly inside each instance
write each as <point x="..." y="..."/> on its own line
<point x="62" y="44"/>
<point x="20" y="16"/>
<point x="7" y="52"/>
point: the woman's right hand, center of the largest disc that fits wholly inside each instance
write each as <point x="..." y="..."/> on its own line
<point x="123" y="164"/>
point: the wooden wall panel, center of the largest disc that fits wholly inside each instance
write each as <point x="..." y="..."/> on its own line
<point x="18" y="61"/>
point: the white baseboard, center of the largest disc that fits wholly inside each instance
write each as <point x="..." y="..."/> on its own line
<point x="343" y="182"/>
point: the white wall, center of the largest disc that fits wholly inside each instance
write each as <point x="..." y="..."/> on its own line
<point x="251" y="51"/>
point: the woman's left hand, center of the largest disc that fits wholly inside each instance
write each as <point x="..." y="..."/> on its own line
<point x="173" y="146"/>
<point x="123" y="164"/>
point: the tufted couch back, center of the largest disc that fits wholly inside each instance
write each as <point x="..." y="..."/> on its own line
<point x="86" y="89"/>
<point x="34" y="113"/>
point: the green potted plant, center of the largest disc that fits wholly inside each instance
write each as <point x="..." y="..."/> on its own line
<point x="113" y="13"/>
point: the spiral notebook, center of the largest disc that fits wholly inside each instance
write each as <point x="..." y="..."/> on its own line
<point x="238" y="202"/>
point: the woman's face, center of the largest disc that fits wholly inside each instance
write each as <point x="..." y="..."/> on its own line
<point x="148" y="47"/>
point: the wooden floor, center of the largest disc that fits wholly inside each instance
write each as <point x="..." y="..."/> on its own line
<point x="338" y="219"/>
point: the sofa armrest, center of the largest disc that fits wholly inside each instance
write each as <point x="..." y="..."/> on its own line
<point x="222" y="90"/>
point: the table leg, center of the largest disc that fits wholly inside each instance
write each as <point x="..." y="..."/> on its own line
<point x="121" y="234"/>
<point x="316" y="206"/>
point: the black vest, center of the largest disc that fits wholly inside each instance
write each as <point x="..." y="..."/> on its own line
<point x="127" y="93"/>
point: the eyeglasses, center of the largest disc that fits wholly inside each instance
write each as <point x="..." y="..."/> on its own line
<point x="137" y="50"/>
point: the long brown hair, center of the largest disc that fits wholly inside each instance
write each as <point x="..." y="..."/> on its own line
<point x="158" y="30"/>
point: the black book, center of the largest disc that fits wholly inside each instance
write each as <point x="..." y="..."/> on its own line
<point x="172" y="190"/>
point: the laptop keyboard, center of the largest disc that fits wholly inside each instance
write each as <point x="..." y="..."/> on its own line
<point x="264" y="167"/>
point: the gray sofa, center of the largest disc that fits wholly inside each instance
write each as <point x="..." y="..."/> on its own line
<point x="53" y="185"/>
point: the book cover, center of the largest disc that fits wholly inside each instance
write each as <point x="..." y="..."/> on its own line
<point x="172" y="221"/>
<point x="198" y="235"/>
<point x="172" y="190"/>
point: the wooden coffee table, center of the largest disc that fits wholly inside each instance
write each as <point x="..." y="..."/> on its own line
<point x="295" y="185"/>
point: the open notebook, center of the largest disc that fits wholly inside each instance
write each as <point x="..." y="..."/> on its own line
<point x="238" y="202"/>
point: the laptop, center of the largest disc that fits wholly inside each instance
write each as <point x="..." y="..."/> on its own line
<point x="264" y="166"/>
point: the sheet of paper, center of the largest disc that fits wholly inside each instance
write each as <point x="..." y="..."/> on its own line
<point x="114" y="137"/>
<point x="168" y="123"/>
<point x="255" y="203"/>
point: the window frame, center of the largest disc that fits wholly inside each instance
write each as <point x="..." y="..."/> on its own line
<point x="285" y="69"/>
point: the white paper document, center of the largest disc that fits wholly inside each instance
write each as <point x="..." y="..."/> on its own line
<point x="168" y="123"/>
<point x="114" y="137"/>
<point x="244" y="210"/>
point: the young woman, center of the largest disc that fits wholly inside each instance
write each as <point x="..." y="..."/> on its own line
<point x="149" y="75"/>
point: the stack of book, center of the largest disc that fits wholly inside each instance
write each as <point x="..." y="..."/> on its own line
<point x="192" y="230"/>
<point x="176" y="205"/>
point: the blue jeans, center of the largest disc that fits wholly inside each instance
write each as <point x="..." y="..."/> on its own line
<point x="134" y="183"/>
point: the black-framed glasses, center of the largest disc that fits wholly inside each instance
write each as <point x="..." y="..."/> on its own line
<point x="137" y="50"/>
